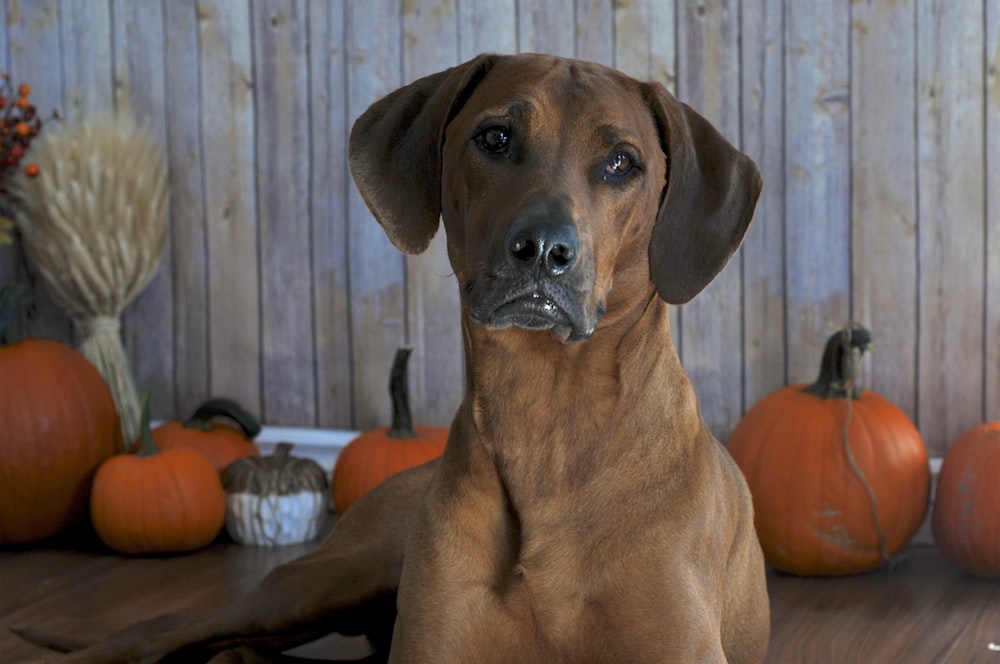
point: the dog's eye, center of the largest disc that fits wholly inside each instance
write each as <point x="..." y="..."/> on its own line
<point x="494" y="139"/>
<point x="619" y="164"/>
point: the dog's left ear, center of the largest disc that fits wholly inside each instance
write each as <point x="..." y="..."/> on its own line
<point x="395" y="152"/>
<point x="712" y="189"/>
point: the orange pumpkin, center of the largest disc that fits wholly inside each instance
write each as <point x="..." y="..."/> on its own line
<point x="822" y="506"/>
<point x="966" y="518"/>
<point x="219" y="442"/>
<point x="381" y="453"/>
<point x="57" y="424"/>
<point x="157" y="501"/>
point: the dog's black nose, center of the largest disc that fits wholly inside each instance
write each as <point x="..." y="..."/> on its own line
<point x="549" y="246"/>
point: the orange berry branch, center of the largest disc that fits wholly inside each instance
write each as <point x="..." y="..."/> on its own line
<point x="19" y="125"/>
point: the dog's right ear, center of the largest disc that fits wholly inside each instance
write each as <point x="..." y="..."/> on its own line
<point x="395" y="152"/>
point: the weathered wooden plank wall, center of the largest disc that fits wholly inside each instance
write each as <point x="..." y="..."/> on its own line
<point x="876" y="126"/>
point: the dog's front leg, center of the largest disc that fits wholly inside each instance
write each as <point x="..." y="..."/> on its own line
<point x="347" y="585"/>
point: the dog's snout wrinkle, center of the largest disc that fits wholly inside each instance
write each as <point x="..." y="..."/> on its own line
<point x="543" y="247"/>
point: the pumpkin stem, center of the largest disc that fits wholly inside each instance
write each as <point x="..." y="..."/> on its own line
<point x="227" y="408"/>
<point x="9" y="296"/>
<point x="148" y="447"/>
<point x="402" y="419"/>
<point x="280" y="454"/>
<point x="836" y="370"/>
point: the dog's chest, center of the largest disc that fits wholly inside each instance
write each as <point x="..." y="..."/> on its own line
<point x="578" y="596"/>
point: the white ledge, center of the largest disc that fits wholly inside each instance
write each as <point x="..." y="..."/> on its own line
<point x="321" y="445"/>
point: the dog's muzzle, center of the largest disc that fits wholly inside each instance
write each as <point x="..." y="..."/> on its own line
<point x="539" y="282"/>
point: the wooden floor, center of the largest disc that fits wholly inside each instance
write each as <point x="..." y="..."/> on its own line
<point x="921" y="610"/>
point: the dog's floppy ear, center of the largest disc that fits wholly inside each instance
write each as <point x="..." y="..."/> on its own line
<point x="711" y="192"/>
<point x="395" y="152"/>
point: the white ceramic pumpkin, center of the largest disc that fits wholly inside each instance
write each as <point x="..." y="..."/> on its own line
<point x="275" y="500"/>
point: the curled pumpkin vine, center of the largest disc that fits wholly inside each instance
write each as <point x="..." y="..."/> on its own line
<point x="854" y="340"/>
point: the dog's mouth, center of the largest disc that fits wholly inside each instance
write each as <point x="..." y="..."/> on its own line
<point x="534" y="308"/>
<point x="532" y="312"/>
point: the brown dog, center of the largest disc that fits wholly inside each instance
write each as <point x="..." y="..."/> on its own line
<point x="582" y="512"/>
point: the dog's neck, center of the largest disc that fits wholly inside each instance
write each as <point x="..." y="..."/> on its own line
<point x="518" y="377"/>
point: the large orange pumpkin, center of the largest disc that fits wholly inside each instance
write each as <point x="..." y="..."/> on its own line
<point x="380" y="453"/>
<point x="966" y="519"/>
<point x="218" y="441"/>
<point x="824" y="506"/>
<point x="157" y="501"/>
<point x="57" y="424"/>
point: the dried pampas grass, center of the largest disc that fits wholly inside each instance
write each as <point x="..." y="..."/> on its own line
<point x="94" y="226"/>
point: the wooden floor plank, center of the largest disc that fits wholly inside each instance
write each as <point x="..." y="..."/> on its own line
<point x="922" y="610"/>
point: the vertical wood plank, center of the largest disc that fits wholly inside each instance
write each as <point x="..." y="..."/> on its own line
<point x="282" y="143"/>
<point x="817" y="180"/>
<point x="708" y="78"/>
<point x="376" y="268"/>
<point x="546" y="26"/>
<point x="85" y="29"/>
<point x="35" y="57"/>
<point x="992" y="360"/>
<point x="148" y="323"/>
<point x="884" y="194"/>
<point x="951" y="213"/>
<point x="4" y="39"/>
<point x="645" y="38"/>
<point x="329" y="186"/>
<point x="762" y="39"/>
<point x="227" y="124"/>
<point x="595" y="38"/>
<point x="437" y="366"/>
<point x="8" y="253"/>
<point x="486" y="26"/>
<point x="188" y="233"/>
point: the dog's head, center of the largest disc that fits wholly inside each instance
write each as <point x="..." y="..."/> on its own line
<point x="567" y="189"/>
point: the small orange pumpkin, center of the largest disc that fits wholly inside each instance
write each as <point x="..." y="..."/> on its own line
<point x="966" y="516"/>
<point x="378" y="454"/>
<point x="157" y="501"/>
<point x="822" y="506"/>
<point x="219" y="442"/>
<point x="57" y="425"/>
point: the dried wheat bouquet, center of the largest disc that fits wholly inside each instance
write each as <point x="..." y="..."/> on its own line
<point x="94" y="226"/>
